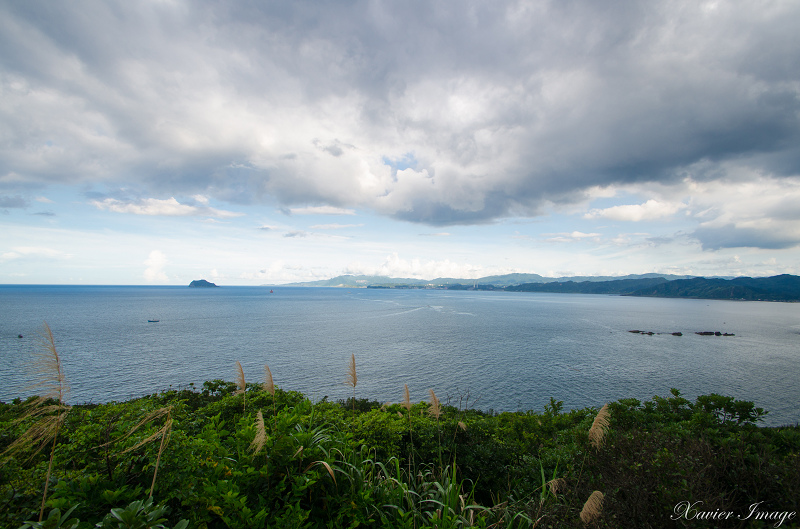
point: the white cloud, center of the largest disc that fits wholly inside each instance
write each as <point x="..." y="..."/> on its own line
<point x="334" y="226"/>
<point x="21" y="252"/>
<point x="650" y="210"/>
<point x="395" y="266"/>
<point x="321" y="210"/>
<point x="758" y="212"/>
<point x="570" y="237"/>
<point x="155" y="263"/>
<point x="154" y="206"/>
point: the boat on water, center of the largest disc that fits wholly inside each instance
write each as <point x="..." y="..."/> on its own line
<point x="153" y="321"/>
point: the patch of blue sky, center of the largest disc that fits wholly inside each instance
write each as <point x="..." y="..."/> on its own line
<point x="401" y="163"/>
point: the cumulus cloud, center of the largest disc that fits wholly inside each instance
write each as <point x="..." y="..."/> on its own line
<point x="570" y="237"/>
<point x="427" y="112"/>
<point x="154" y="271"/>
<point x="650" y="210"/>
<point x="395" y="266"/>
<point x="334" y="226"/>
<point x="321" y="210"/>
<point x="280" y="271"/>
<point x="153" y="206"/>
<point x="757" y="213"/>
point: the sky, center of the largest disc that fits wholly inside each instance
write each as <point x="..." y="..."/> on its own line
<point x="254" y="143"/>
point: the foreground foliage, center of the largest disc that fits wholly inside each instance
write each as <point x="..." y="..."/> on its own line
<point x="245" y="456"/>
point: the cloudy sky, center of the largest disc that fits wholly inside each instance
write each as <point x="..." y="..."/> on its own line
<point x="160" y="141"/>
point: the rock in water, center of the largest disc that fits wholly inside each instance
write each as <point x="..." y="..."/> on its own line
<point x="201" y="283"/>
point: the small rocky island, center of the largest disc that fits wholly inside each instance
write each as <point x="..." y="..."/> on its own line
<point x="201" y="283"/>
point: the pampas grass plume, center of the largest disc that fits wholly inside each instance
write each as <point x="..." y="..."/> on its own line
<point x="599" y="427"/>
<point x="261" y="434"/>
<point x="268" y="385"/>
<point x="352" y="378"/>
<point x="406" y="398"/>
<point x="592" y="508"/>
<point x="557" y="485"/>
<point x="164" y="433"/>
<point x="436" y="409"/>
<point x="240" y="379"/>
<point x="51" y="385"/>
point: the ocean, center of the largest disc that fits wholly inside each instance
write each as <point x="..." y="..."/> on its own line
<point x="504" y="351"/>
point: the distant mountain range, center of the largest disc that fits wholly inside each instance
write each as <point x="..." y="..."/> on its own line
<point x="777" y="288"/>
<point x="501" y="281"/>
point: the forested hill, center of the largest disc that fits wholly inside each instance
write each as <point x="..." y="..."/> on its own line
<point x="619" y="286"/>
<point x="777" y="288"/>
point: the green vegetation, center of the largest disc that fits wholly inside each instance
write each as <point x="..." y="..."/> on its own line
<point x="284" y="461"/>
<point x="778" y="288"/>
<point x="617" y="287"/>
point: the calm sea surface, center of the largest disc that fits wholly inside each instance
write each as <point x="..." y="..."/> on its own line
<point x="510" y="351"/>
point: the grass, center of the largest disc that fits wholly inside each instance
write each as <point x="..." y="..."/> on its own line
<point x="45" y="414"/>
<point x="241" y="385"/>
<point x="352" y="379"/>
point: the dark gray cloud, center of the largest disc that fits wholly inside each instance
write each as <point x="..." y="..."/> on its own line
<point x="13" y="202"/>
<point x="503" y="107"/>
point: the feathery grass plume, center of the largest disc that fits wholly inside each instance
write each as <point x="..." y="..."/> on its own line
<point x="269" y="387"/>
<point x="599" y="427"/>
<point x="407" y="405"/>
<point x="261" y="434"/>
<point x="241" y="383"/>
<point x="592" y="508"/>
<point x="352" y="379"/>
<point x="435" y="409"/>
<point x="51" y="385"/>
<point x="557" y="485"/>
<point x="164" y="433"/>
